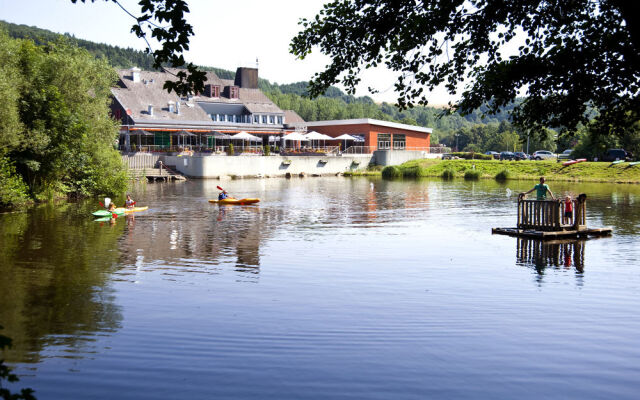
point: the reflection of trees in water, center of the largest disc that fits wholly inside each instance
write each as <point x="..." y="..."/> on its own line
<point x="53" y="287"/>
<point x="541" y="254"/>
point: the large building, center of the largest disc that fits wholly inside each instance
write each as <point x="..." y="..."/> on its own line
<point x="151" y="115"/>
<point x="154" y="119"/>
<point x="377" y="134"/>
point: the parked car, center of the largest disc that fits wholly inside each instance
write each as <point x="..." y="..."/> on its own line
<point x="494" y="154"/>
<point x="542" y="155"/>
<point x="520" y="155"/>
<point x="616" y="154"/>
<point x="449" y="156"/>
<point x="565" y="155"/>
<point x="507" y="155"/>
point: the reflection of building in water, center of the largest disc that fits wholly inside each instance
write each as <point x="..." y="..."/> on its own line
<point x="557" y="253"/>
<point x="202" y="240"/>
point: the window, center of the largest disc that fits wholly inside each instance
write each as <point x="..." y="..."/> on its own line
<point x="214" y="117"/>
<point x="384" y="140"/>
<point x="222" y="118"/>
<point x="234" y="92"/>
<point x="264" y="119"/>
<point x="272" y="119"/>
<point x="215" y="91"/>
<point x="256" y="119"/>
<point x="399" y="141"/>
<point x="280" y="119"/>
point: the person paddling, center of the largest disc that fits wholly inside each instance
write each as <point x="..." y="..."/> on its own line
<point x="541" y="190"/>
<point x="129" y="203"/>
<point x="223" y="195"/>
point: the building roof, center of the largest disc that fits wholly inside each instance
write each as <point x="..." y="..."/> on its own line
<point x="370" y="121"/>
<point x="292" y="117"/>
<point x="136" y="97"/>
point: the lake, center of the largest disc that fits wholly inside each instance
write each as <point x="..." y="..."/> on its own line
<point x="328" y="288"/>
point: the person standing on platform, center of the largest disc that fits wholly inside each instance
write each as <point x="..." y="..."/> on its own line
<point x="541" y="190"/>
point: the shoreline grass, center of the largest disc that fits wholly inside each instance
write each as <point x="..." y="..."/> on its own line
<point x="516" y="170"/>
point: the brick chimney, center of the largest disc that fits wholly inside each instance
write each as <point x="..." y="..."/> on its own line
<point x="247" y="78"/>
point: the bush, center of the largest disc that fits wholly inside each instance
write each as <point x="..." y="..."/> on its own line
<point x="472" y="175"/>
<point x="267" y="150"/>
<point x="230" y="150"/>
<point x="392" y="172"/>
<point x="448" y="173"/>
<point x="412" y="172"/>
<point x="473" y="156"/>
<point x="502" y="175"/>
<point x="13" y="190"/>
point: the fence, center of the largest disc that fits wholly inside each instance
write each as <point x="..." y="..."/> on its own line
<point x="371" y="149"/>
<point x="547" y="215"/>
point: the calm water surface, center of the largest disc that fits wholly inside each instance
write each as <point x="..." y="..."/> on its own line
<point x="329" y="288"/>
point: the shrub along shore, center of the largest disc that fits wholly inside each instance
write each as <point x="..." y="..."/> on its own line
<point x="503" y="170"/>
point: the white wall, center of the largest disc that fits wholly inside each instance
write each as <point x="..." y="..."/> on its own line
<point x="216" y="166"/>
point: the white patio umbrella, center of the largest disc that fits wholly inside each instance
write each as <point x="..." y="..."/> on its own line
<point x="345" y="137"/>
<point x="245" y="136"/>
<point x="295" y="136"/>
<point x="313" y="135"/>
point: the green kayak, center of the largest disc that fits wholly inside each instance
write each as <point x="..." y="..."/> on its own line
<point x="105" y="213"/>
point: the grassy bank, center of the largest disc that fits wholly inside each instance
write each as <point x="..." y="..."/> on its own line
<point x="551" y="170"/>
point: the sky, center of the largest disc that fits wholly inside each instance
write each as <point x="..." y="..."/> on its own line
<point x="228" y="34"/>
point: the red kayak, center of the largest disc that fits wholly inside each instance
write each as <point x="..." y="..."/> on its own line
<point x="570" y="162"/>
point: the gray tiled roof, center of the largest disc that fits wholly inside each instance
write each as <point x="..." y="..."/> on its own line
<point x="292" y="117"/>
<point x="137" y="96"/>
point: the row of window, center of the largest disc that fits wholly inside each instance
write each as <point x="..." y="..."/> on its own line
<point x="248" y="119"/>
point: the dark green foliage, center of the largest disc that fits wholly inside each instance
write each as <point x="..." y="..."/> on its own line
<point x="267" y="150"/>
<point x="230" y="150"/>
<point x="574" y="55"/>
<point x="448" y="173"/>
<point x="392" y="172"/>
<point x="5" y="374"/>
<point x="502" y="175"/>
<point x="472" y="175"/>
<point x="472" y="156"/>
<point x="56" y="128"/>
<point x="13" y="190"/>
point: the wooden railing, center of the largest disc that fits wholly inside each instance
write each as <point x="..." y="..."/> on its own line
<point x="548" y="215"/>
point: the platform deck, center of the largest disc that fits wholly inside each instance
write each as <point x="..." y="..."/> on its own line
<point x="531" y="233"/>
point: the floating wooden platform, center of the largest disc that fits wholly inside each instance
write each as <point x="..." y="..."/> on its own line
<point x="543" y="219"/>
<point x="531" y="233"/>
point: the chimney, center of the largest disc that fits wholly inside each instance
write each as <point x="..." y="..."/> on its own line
<point x="171" y="105"/>
<point x="135" y="74"/>
<point x="247" y="78"/>
<point x="150" y="110"/>
<point x="178" y="108"/>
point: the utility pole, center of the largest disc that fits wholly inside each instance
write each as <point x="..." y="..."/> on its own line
<point x="527" y="142"/>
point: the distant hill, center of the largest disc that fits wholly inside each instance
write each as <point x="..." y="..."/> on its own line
<point x="335" y="104"/>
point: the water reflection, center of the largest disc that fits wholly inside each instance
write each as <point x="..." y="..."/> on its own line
<point x="541" y="254"/>
<point x="54" y="290"/>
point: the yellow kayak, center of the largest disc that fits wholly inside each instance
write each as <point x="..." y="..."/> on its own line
<point x="230" y="200"/>
<point x="135" y="209"/>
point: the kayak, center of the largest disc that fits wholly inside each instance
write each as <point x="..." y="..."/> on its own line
<point x="634" y="163"/>
<point x="105" y="213"/>
<point x="136" y="209"/>
<point x="230" y="200"/>
<point x="571" y="162"/>
<point x="102" y="219"/>
<point x="617" y="162"/>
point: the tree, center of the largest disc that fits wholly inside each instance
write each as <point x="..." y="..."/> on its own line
<point x="173" y="38"/>
<point x="56" y="135"/>
<point x="572" y="55"/>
